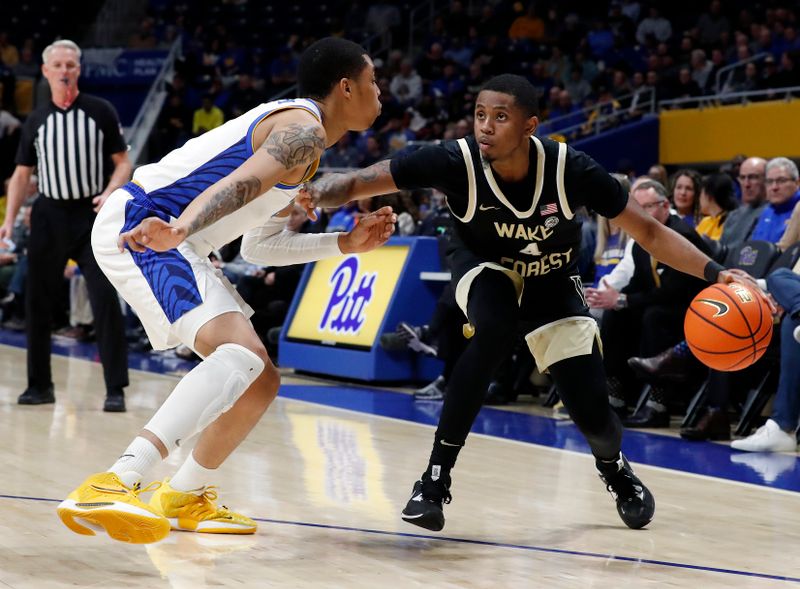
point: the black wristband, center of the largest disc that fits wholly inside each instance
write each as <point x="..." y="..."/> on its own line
<point x="712" y="270"/>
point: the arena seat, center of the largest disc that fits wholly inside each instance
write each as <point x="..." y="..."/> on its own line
<point x="754" y="257"/>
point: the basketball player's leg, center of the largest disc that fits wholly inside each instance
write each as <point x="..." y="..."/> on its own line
<point x="235" y="403"/>
<point x="109" y="499"/>
<point x="582" y="387"/>
<point x="493" y="311"/>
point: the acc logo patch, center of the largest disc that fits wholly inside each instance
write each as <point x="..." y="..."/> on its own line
<point x="551" y="222"/>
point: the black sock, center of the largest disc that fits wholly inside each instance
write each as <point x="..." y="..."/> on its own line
<point x="444" y="455"/>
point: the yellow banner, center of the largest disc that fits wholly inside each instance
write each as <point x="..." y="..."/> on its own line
<point x="346" y="298"/>
<point x="764" y="129"/>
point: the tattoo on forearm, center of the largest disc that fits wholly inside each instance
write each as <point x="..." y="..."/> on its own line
<point x="229" y="199"/>
<point x="336" y="189"/>
<point x="295" y="144"/>
<point x="373" y="172"/>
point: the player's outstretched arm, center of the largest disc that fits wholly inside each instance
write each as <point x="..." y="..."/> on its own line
<point x="334" y="190"/>
<point x="294" y="142"/>
<point x="674" y="250"/>
<point x="273" y="245"/>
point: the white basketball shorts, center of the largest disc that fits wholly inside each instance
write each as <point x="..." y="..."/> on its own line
<point x="173" y="293"/>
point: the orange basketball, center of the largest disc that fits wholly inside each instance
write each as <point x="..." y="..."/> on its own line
<point x="728" y="326"/>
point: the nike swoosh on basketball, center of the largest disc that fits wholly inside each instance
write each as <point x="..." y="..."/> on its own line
<point x="488" y="208"/>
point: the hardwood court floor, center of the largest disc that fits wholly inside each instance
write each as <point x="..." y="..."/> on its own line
<point x="327" y="484"/>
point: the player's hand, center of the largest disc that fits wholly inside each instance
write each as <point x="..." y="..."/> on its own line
<point x="602" y="299"/>
<point x="152" y="233"/>
<point x="6" y="230"/>
<point x="742" y="277"/>
<point x="308" y="198"/>
<point x="373" y="230"/>
<point x="98" y="201"/>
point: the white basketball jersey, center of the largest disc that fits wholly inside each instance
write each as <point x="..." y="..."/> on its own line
<point x="175" y="181"/>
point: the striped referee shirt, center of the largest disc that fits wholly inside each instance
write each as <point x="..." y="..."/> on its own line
<point x="72" y="148"/>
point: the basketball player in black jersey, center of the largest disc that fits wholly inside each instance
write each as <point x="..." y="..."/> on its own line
<point x="513" y="197"/>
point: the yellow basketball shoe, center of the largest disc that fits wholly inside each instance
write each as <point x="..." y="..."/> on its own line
<point x="104" y="503"/>
<point x="198" y="513"/>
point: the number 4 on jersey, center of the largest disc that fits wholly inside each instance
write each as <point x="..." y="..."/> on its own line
<point x="531" y="249"/>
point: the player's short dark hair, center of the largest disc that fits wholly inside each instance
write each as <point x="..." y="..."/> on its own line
<point x="522" y="90"/>
<point x="327" y="61"/>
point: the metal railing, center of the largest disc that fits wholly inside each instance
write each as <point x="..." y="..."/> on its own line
<point x="734" y="66"/>
<point x="643" y="101"/>
<point x="142" y="125"/>
<point x="713" y="100"/>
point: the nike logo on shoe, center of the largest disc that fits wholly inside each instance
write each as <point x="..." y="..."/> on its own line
<point x="417" y="497"/>
<point x="105" y="490"/>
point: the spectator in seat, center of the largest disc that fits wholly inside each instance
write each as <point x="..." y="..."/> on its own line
<point x="717" y="200"/>
<point x="654" y="26"/>
<point x="779" y="433"/>
<point x="686" y="195"/>
<point x="529" y="26"/>
<point x="658" y="173"/>
<point x="782" y="196"/>
<point x="406" y="86"/>
<point x="742" y="221"/>
<point x="647" y="314"/>
<point x="207" y="117"/>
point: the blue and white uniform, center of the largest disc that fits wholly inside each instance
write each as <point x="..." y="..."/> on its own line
<point x="175" y="293"/>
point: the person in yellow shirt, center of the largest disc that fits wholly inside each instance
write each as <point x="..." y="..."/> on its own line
<point x="717" y="199"/>
<point x="207" y="117"/>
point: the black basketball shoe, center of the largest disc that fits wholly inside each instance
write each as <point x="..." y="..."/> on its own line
<point x="424" y="509"/>
<point x="635" y="502"/>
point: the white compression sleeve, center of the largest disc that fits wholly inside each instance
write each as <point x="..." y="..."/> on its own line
<point x="272" y="245"/>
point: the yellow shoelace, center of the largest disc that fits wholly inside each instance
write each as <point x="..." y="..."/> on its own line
<point x="204" y="508"/>
<point x="138" y="490"/>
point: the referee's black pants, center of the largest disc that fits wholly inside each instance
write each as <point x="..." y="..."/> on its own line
<point x="61" y="230"/>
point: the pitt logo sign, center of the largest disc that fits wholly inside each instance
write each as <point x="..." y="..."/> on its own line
<point x="346" y="298"/>
<point x="349" y="298"/>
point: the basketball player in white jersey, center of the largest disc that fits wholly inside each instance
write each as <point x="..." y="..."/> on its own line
<point x="152" y="239"/>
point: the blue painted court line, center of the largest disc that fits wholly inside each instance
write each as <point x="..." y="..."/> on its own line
<point x="779" y="471"/>
<point x="530" y="548"/>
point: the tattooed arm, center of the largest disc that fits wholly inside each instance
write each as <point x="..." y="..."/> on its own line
<point x="293" y="143"/>
<point x="334" y="190"/>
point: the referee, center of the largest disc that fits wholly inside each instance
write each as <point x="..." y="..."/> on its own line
<point x="77" y="144"/>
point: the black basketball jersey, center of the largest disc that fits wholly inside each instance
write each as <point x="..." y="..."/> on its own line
<point x="527" y="226"/>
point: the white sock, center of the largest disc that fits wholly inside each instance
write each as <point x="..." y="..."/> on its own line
<point x="138" y="459"/>
<point x="192" y="477"/>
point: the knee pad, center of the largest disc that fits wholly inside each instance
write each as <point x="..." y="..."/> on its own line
<point x="243" y="367"/>
<point x="204" y="394"/>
